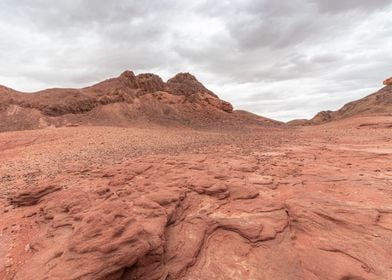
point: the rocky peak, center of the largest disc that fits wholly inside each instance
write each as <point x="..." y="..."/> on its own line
<point x="182" y="77"/>
<point x="147" y="82"/>
<point x="150" y="82"/>
<point x="186" y="84"/>
<point x="128" y="74"/>
<point x="183" y="84"/>
<point x="128" y="79"/>
<point x="323" y="116"/>
<point x="388" y="82"/>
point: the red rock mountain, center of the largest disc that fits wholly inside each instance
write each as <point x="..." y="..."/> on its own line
<point x="378" y="103"/>
<point x="126" y="100"/>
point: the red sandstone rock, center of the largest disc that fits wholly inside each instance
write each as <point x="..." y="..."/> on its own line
<point x="186" y="84"/>
<point x="292" y="211"/>
<point x="150" y="83"/>
<point x="32" y="197"/>
<point x="127" y="100"/>
<point x="388" y="82"/>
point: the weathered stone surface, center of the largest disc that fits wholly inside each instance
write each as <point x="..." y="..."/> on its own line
<point x="293" y="212"/>
<point x="32" y="196"/>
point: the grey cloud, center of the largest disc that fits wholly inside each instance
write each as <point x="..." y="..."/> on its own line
<point x="338" y="6"/>
<point x="280" y="58"/>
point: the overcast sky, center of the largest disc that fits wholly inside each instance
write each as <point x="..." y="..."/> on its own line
<point x="281" y="59"/>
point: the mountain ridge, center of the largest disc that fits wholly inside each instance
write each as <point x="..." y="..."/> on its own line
<point x="125" y="100"/>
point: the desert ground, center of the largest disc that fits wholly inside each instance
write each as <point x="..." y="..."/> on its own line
<point x="196" y="140"/>
<point x="100" y="202"/>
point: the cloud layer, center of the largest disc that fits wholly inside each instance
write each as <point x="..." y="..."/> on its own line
<point x="280" y="59"/>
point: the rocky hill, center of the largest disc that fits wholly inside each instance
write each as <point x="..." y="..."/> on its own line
<point x="129" y="99"/>
<point x="377" y="103"/>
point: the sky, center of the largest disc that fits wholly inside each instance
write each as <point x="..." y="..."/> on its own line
<point x="280" y="59"/>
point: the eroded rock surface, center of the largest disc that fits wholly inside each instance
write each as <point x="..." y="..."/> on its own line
<point x="284" y="204"/>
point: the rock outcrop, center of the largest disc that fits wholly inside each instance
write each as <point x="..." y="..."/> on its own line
<point x="129" y="99"/>
<point x="186" y="84"/>
<point x="388" y="82"/>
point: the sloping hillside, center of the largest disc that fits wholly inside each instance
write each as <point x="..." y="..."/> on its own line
<point x="377" y="103"/>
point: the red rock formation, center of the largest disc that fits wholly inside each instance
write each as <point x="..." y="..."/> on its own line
<point x="186" y="84"/>
<point x="263" y="204"/>
<point x="125" y="100"/>
<point x="150" y="83"/>
<point x="388" y="82"/>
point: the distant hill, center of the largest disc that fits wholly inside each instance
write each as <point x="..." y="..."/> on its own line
<point x="377" y="103"/>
